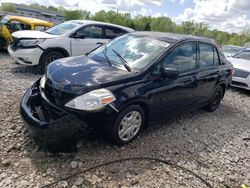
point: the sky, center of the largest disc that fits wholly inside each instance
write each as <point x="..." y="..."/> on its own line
<point x="226" y="15"/>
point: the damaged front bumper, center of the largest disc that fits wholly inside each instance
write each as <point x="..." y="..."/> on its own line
<point x="49" y="124"/>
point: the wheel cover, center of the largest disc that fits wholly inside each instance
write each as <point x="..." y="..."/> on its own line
<point x="51" y="59"/>
<point x="130" y="125"/>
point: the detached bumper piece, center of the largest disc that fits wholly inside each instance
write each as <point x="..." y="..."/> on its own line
<point x="52" y="127"/>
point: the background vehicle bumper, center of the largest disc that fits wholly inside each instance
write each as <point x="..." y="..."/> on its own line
<point x="29" y="56"/>
<point x="243" y="83"/>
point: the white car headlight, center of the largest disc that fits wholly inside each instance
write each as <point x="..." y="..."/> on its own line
<point x="42" y="82"/>
<point x="93" y="100"/>
<point x="30" y="42"/>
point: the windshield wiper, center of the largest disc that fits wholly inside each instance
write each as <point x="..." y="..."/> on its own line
<point x="105" y="54"/>
<point x="123" y="61"/>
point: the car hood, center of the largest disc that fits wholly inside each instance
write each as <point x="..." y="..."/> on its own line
<point x="240" y="63"/>
<point x="32" y="34"/>
<point x="78" y="75"/>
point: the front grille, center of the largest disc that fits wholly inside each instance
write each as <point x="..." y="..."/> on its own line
<point x="241" y="73"/>
<point x="56" y="96"/>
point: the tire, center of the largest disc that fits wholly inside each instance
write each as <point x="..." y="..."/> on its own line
<point x="123" y="133"/>
<point x="48" y="58"/>
<point x="215" y="100"/>
<point x="2" y="44"/>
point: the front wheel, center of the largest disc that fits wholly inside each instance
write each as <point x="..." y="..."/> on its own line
<point x="49" y="58"/>
<point x="128" y="125"/>
<point x="215" y="100"/>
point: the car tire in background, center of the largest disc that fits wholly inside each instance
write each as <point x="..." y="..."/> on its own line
<point x="127" y="125"/>
<point x="48" y="58"/>
<point x="215" y="100"/>
<point x="2" y="44"/>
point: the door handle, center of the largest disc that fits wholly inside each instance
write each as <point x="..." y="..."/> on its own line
<point x="100" y="43"/>
<point x="190" y="79"/>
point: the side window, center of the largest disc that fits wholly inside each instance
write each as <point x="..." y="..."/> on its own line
<point x="206" y="55"/>
<point x="93" y="32"/>
<point x="183" y="58"/>
<point x="18" y="26"/>
<point x="113" y="32"/>
<point x="40" y="28"/>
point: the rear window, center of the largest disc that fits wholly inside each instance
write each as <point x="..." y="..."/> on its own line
<point x="208" y="55"/>
<point x="112" y="32"/>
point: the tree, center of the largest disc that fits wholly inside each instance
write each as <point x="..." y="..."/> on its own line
<point x="52" y="8"/>
<point x="8" y="7"/>
<point x="147" y="27"/>
<point x="72" y="14"/>
<point x="147" y="23"/>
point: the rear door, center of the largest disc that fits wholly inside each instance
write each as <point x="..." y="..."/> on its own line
<point x="208" y="71"/>
<point x="94" y="37"/>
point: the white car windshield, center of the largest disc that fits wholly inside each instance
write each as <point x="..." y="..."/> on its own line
<point x="243" y="55"/>
<point x="231" y="49"/>
<point x="63" y="28"/>
<point x="136" y="51"/>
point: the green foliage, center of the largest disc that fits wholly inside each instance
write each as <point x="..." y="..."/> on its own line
<point x="72" y="14"/>
<point x="8" y="7"/>
<point x="147" y="23"/>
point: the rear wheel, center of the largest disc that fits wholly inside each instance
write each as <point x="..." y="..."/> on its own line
<point x="128" y="125"/>
<point x="48" y="58"/>
<point x="2" y="44"/>
<point x="215" y="100"/>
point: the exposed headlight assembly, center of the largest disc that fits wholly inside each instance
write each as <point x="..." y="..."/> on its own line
<point x="93" y="100"/>
<point x="42" y="82"/>
<point x="30" y="42"/>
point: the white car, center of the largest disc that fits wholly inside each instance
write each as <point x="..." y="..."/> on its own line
<point x="71" y="38"/>
<point x="230" y="50"/>
<point x="241" y="63"/>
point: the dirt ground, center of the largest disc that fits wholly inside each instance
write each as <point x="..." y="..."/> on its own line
<point x="215" y="146"/>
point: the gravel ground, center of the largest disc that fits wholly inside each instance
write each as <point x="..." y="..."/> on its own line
<point x="213" y="145"/>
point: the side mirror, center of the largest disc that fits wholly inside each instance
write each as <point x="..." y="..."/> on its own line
<point x="78" y="35"/>
<point x="169" y="72"/>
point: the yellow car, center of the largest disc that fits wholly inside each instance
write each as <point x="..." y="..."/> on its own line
<point x="10" y="24"/>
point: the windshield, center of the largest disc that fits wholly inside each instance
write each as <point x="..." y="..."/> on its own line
<point x="231" y="49"/>
<point x="63" y="28"/>
<point x="137" y="51"/>
<point x="243" y="55"/>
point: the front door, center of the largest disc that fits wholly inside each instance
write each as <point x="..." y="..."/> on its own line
<point x="175" y="94"/>
<point x="93" y="37"/>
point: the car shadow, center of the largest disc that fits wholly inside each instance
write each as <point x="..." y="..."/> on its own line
<point x="242" y="91"/>
<point x="187" y="138"/>
<point x="25" y="70"/>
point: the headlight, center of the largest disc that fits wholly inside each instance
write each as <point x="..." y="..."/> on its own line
<point x="30" y="43"/>
<point x="42" y="82"/>
<point x="93" y="100"/>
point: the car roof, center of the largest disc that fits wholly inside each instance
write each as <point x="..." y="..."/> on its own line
<point x="172" y="37"/>
<point x="29" y="20"/>
<point x="103" y="23"/>
<point x="234" y="46"/>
